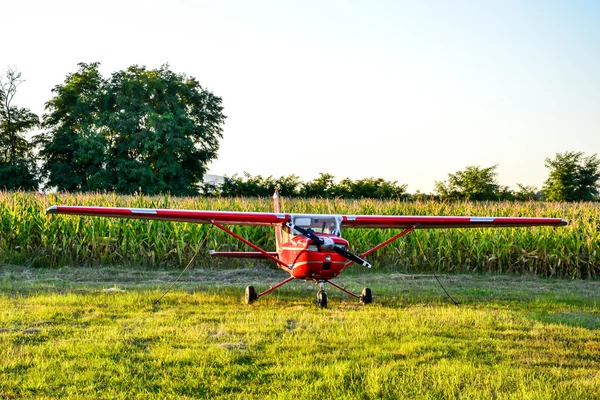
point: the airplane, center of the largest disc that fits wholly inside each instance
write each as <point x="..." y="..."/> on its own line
<point x="308" y="246"/>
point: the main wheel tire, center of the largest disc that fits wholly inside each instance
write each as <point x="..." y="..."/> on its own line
<point x="251" y="295"/>
<point x="322" y="299"/>
<point x="366" y="297"/>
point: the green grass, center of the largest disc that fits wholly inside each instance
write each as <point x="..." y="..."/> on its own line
<point x="62" y="336"/>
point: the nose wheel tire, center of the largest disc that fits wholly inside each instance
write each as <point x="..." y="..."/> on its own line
<point x="322" y="299"/>
<point x="366" y="297"/>
<point x="251" y="295"/>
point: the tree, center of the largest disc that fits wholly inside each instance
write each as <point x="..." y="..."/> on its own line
<point x="257" y="186"/>
<point x="141" y="131"/>
<point x="74" y="147"/>
<point x="17" y="161"/>
<point x="527" y="193"/>
<point x="323" y="186"/>
<point x="374" y="188"/>
<point x="288" y="185"/>
<point x="572" y="177"/>
<point x="291" y="186"/>
<point x="166" y="129"/>
<point x="474" y="183"/>
<point x="251" y="186"/>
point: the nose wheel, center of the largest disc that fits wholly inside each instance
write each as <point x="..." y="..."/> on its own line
<point x="321" y="295"/>
<point x="366" y="297"/>
<point x="322" y="299"/>
<point x="251" y="295"/>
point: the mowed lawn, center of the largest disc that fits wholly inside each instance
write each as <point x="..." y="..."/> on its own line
<point x="63" y="336"/>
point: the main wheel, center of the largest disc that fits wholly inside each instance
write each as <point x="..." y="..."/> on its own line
<point x="251" y="295"/>
<point x="322" y="299"/>
<point x="366" y="297"/>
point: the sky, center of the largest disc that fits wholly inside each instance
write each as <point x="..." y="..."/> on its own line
<point x="408" y="91"/>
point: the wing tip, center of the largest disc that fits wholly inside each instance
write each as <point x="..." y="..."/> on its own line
<point x="52" y="210"/>
<point x="563" y="222"/>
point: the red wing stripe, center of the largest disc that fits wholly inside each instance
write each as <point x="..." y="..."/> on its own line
<point x="200" y="217"/>
<point x="426" y="222"/>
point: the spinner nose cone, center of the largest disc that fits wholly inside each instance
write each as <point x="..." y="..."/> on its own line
<point x="327" y="245"/>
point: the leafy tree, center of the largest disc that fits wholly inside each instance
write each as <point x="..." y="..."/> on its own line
<point x="527" y="193"/>
<point x="148" y="131"/>
<point x="210" y="189"/>
<point x="572" y="177"/>
<point x="248" y="185"/>
<point x="17" y="161"/>
<point x="74" y="148"/>
<point x="232" y="186"/>
<point x="257" y="186"/>
<point x="166" y="129"/>
<point x="288" y="185"/>
<point x="474" y="183"/>
<point x="323" y="186"/>
<point x="377" y="188"/>
<point x="291" y="186"/>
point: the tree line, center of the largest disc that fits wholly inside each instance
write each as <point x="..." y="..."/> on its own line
<point x="573" y="177"/>
<point x="155" y="131"/>
<point x="291" y="186"/>
<point x="138" y="131"/>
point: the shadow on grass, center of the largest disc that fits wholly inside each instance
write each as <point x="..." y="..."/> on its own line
<point x="575" y="319"/>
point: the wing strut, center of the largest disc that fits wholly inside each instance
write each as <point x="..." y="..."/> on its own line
<point x="283" y="265"/>
<point x="343" y="290"/>
<point x="380" y="245"/>
<point x="269" y="290"/>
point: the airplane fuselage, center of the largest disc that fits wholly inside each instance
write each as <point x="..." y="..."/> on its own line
<point x="309" y="261"/>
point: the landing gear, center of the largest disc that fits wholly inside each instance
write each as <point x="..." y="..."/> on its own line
<point x="322" y="299"/>
<point x="251" y="295"/>
<point x="321" y="295"/>
<point x="366" y="297"/>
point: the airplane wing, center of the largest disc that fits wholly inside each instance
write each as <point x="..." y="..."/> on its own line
<point x="270" y="219"/>
<point x="426" y="222"/>
<point x="199" y="217"/>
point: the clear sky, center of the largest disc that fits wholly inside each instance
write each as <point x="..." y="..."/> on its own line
<point x="403" y="90"/>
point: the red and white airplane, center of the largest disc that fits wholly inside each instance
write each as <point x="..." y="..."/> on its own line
<point x="309" y="246"/>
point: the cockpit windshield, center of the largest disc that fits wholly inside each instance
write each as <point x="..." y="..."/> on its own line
<point x="320" y="224"/>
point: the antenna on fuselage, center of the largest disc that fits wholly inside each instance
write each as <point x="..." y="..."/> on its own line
<point x="278" y="228"/>
<point x="276" y="201"/>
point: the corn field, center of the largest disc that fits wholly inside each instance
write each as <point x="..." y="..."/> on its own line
<point x="29" y="236"/>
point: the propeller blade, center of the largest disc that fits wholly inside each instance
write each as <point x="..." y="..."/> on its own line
<point x="352" y="256"/>
<point x="306" y="233"/>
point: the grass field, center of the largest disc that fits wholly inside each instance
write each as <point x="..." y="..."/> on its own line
<point x="63" y="336"/>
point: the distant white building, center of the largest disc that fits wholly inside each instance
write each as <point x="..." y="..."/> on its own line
<point x="214" y="179"/>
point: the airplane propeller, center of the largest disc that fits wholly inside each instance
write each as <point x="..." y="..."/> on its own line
<point x="328" y="245"/>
